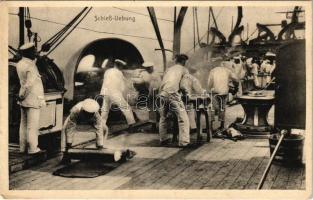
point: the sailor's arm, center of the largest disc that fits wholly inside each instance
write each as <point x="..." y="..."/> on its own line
<point x="67" y="130"/>
<point x="25" y="88"/>
<point x="210" y="80"/>
<point x="66" y="122"/>
<point x="196" y="86"/>
<point x="137" y="79"/>
<point x="273" y="66"/>
<point x="234" y="77"/>
<point x="142" y="77"/>
<point x="98" y="124"/>
<point x="71" y="120"/>
<point x="184" y="85"/>
<point x="263" y="67"/>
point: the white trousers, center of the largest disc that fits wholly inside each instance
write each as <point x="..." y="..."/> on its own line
<point x="116" y="98"/>
<point x="173" y="103"/>
<point x="191" y="112"/>
<point x="68" y="133"/>
<point x="29" y="129"/>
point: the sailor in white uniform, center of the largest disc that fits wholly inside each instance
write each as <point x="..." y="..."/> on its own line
<point x="30" y="98"/>
<point x="191" y="87"/>
<point x="84" y="112"/>
<point x="147" y="77"/>
<point x="218" y="83"/>
<point x="113" y="88"/>
<point x="268" y="66"/>
<point x="240" y="72"/>
<point x="171" y="101"/>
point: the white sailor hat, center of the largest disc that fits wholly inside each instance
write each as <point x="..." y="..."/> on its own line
<point x="27" y="46"/>
<point x="121" y="62"/>
<point x="270" y="54"/>
<point x="90" y="105"/>
<point x="147" y="64"/>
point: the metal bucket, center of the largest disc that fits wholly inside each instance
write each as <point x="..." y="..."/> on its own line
<point x="290" y="151"/>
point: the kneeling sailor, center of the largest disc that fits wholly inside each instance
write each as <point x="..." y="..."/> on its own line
<point x="84" y="112"/>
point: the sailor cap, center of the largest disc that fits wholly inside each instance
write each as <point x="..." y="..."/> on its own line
<point x="121" y="62"/>
<point x="27" y="46"/>
<point x="270" y="54"/>
<point x="147" y="64"/>
<point x="90" y="105"/>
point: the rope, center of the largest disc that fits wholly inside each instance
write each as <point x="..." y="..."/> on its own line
<point x="59" y="34"/>
<point x="12" y="52"/>
<point x="69" y="31"/>
<point x="199" y="40"/>
<point x="95" y="31"/>
<point x="218" y="14"/>
<point x="197" y="43"/>
<point x="251" y="34"/>
<point x="12" y="49"/>
<point x="27" y="13"/>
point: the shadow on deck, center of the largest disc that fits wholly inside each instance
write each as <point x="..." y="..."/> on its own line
<point x="220" y="164"/>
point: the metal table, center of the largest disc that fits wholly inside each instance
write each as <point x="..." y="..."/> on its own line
<point x="256" y="109"/>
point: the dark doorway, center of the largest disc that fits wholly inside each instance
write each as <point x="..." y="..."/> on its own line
<point x="113" y="48"/>
<point x="88" y="82"/>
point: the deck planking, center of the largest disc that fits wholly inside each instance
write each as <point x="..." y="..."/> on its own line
<point x="235" y="172"/>
<point x="293" y="178"/>
<point x="213" y="167"/>
<point x="197" y="168"/>
<point x="225" y="166"/>
<point x="220" y="164"/>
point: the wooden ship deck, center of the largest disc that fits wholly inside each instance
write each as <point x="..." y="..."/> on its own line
<point x="219" y="164"/>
